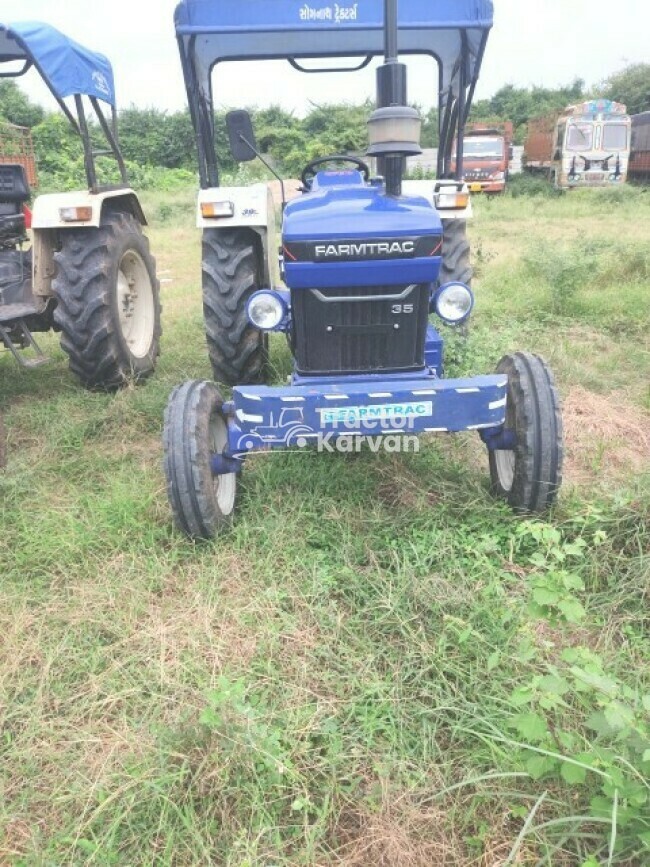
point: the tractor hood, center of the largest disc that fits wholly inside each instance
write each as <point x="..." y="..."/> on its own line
<point x="349" y="233"/>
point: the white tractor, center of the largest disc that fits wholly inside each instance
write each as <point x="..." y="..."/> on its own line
<point x="88" y="272"/>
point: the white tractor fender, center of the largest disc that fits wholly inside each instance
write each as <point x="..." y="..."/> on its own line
<point x="428" y="190"/>
<point x="251" y="206"/>
<point x="47" y="210"/>
<point x="47" y="221"/>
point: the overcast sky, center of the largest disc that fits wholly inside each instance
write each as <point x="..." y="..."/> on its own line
<point x="547" y="42"/>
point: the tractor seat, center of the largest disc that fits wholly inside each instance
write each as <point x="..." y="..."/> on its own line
<point x="14" y="193"/>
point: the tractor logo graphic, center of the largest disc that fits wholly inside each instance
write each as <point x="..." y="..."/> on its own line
<point x="101" y="82"/>
<point x="290" y="430"/>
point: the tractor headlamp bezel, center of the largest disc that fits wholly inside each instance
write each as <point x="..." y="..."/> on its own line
<point x="453" y="302"/>
<point x="267" y="310"/>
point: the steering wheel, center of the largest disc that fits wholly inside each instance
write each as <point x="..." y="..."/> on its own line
<point x="309" y="171"/>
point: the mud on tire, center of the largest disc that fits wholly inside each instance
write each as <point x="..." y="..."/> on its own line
<point x="108" y="302"/>
<point x="231" y="274"/>
<point x="202" y="504"/>
<point x="529" y="477"/>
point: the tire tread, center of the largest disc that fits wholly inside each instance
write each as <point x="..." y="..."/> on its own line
<point x="186" y="448"/>
<point x="231" y="269"/>
<point x="84" y="311"/>
<point x="538" y="423"/>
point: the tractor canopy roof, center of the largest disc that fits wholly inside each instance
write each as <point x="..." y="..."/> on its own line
<point x="67" y="68"/>
<point x="453" y="31"/>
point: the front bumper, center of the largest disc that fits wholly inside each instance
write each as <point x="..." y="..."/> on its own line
<point x="261" y="418"/>
<point x="486" y="186"/>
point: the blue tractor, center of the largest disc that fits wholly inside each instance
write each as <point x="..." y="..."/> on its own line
<point x="366" y="260"/>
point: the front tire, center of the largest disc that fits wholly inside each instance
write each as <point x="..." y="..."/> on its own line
<point x="195" y="428"/>
<point x="231" y="274"/>
<point x="108" y="302"/>
<point x="529" y="476"/>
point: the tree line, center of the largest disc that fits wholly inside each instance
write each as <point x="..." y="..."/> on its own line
<point x="154" y="138"/>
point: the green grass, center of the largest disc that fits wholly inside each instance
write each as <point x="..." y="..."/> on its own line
<point x="378" y="664"/>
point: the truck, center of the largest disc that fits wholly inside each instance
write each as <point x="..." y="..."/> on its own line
<point x="586" y="145"/>
<point x="487" y="152"/>
<point x="17" y="148"/>
<point x="639" y="166"/>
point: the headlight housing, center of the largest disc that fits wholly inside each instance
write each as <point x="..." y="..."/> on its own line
<point x="453" y="302"/>
<point x="267" y="310"/>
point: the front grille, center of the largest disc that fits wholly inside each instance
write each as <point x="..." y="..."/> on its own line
<point x="359" y="330"/>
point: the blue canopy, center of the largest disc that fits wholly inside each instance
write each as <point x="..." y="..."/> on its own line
<point x="454" y="32"/>
<point x="66" y="67"/>
<point x="194" y="16"/>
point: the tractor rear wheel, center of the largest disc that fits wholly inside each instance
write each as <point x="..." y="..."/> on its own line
<point x="195" y="428"/>
<point x="456" y="266"/>
<point x="231" y="274"/>
<point x="108" y="302"/>
<point x="529" y="476"/>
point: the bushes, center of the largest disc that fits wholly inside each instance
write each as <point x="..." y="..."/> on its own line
<point x="69" y="174"/>
<point x="531" y="185"/>
<point x="590" y="277"/>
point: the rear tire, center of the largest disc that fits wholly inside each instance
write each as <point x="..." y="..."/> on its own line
<point x="529" y="477"/>
<point x="456" y="265"/>
<point x="202" y="504"/>
<point x="108" y="302"/>
<point x="231" y="274"/>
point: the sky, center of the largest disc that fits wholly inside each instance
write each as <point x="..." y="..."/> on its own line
<point x="542" y="42"/>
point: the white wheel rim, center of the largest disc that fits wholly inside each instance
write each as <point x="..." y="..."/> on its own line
<point x="135" y="304"/>
<point x="505" y="464"/>
<point x="225" y="486"/>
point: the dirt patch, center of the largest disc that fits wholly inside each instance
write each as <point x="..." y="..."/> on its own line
<point x="402" y="833"/>
<point x="606" y="438"/>
<point x="291" y="190"/>
<point x="397" y="835"/>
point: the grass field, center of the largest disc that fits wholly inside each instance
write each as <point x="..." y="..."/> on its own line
<point x="379" y="664"/>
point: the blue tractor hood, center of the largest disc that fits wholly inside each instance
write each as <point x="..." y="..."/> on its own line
<point x="349" y="233"/>
<point x="67" y="68"/>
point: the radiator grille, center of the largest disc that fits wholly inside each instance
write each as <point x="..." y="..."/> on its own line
<point x="359" y="330"/>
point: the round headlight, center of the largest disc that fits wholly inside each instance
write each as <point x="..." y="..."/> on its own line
<point x="266" y="310"/>
<point x="454" y="302"/>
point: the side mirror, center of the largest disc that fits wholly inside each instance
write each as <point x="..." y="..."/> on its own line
<point x="241" y="136"/>
<point x="511" y="153"/>
<point x="557" y="155"/>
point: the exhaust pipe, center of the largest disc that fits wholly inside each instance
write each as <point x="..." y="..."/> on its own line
<point x="394" y="128"/>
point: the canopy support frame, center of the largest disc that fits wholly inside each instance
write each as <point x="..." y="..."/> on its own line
<point x="79" y="123"/>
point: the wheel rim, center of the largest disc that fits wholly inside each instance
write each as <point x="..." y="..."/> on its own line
<point x="135" y="304"/>
<point x="505" y="459"/>
<point x="225" y="486"/>
<point x="505" y="466"/>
